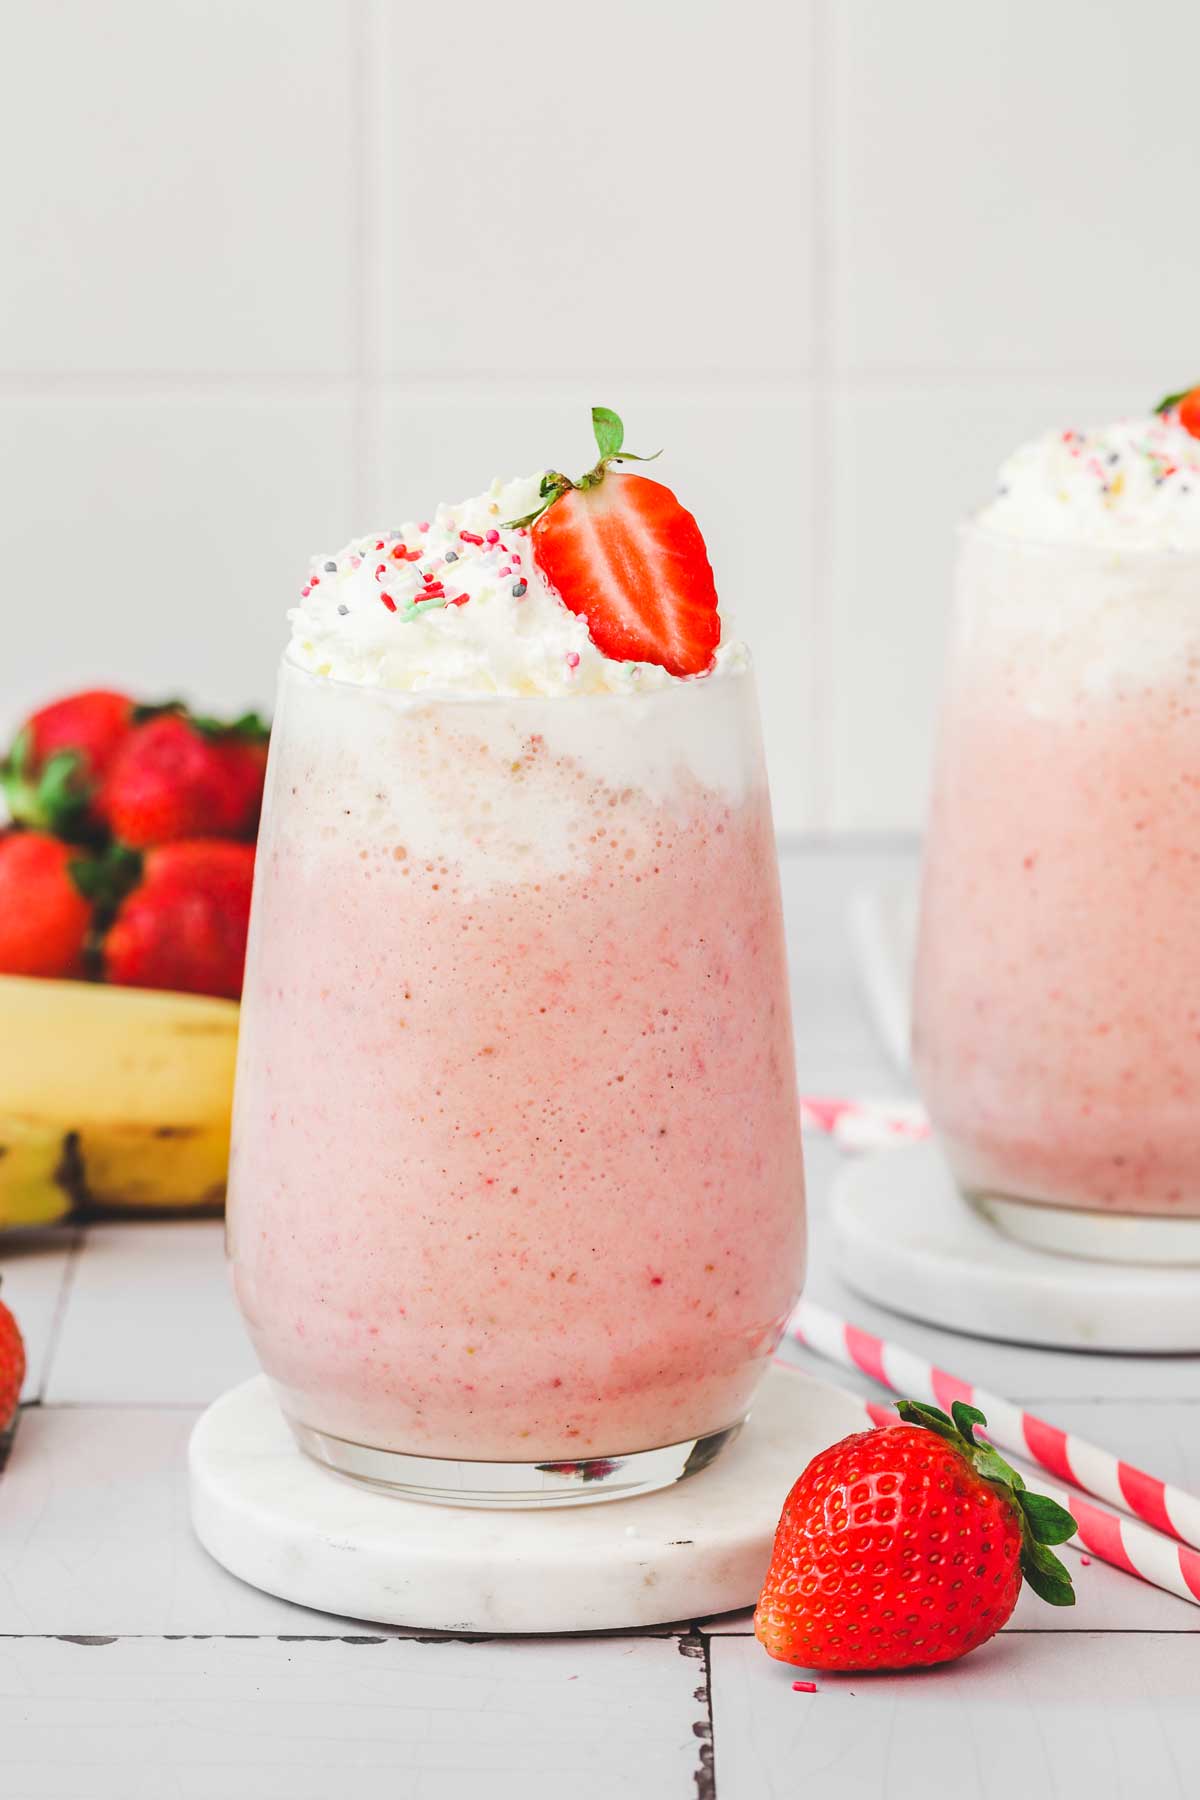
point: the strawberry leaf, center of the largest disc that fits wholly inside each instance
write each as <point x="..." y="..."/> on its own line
<point x="992" y="1467"/>
<point x="1046" y="1575"/>
<point x="967" y="1418"/>
<point x="18" y="759"/>
<point x="1049" y="1523"/>
<point x="154" y="709"/>
<point x="105" y="880"/>
<point x="610" y="433"/>
<point x="248" y="725"/>
<point x="1172" y="400"/>
<point x="55" y="799"/>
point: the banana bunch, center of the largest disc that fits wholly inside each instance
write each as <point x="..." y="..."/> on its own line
<point x="111" y="1097"/>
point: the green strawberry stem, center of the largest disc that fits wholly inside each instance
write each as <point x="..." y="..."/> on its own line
<point x="1043" y="1521"/>
<point x="609" y="433"/>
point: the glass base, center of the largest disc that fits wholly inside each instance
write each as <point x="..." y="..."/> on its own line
<point x="1097" y="1236"/>
<point x="446" y="1482"/>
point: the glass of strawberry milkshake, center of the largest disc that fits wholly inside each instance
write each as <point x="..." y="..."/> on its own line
<point x="516" y="1197"/>
<point x="1057" y="1008"/>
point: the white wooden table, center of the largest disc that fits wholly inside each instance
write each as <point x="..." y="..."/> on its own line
<point x="132" y="1666"/>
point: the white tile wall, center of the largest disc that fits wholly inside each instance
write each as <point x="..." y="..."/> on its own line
<point x="278" y="269"/>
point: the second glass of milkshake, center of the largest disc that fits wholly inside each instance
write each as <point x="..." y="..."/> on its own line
<point x="1057" y="1005"/>
<point x="516" y="1199"/>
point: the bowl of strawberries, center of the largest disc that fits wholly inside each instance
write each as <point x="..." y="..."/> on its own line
<point x="125" y="874"/>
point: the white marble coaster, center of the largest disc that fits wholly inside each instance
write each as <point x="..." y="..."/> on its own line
<point x="279" y="1521"/>
<point x="905" y="1237"/>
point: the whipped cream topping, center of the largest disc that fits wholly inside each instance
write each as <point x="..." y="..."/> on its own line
<point x="455" y="604"/>
<point x="1134" y="484"/>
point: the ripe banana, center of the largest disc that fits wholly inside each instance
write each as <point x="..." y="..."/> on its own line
<point x="111" y="1097"/>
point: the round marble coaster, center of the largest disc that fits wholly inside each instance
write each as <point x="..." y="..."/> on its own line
<point x="905" y="1237"/>
<point x="279" y="1521"/>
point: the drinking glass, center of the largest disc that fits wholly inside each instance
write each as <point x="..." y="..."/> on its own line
<point x="1057" y="1002"/>
<point x="516" y="1194"/>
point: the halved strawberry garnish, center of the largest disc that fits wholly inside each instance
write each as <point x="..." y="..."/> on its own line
<point x="622" y="553"/>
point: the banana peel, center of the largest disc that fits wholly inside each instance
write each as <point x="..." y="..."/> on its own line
<point x="112" y="1098"/>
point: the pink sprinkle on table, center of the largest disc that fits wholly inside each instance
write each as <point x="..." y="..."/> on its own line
<point x="804" y="1687"/>
<point x="1086" y="1561"/>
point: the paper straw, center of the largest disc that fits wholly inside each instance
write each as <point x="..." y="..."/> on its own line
<point x="864" y="1124"/>
<point x="1157" y="1503"/>
<point x="1134" y="1549"/>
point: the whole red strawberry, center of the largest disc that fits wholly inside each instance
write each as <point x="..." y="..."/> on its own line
<point x="12" y="1367"/>
<point x="180" y="777"/>
<point x="59" y="757"/>
<point x="621" y="551"/>
<point x="906" y="1546"/>
<point x="44" y="917"/>
<point x="183" y="926"/>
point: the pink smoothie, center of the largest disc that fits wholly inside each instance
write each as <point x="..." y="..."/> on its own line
<point x="517" y="1167"/>
<point x="1057" y="1036"/>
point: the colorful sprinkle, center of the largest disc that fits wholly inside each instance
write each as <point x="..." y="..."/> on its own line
<point x="804" y="1687"/>
<point x="331" y="568"/>
<point x="388" y="602"/>
<point x="572" y="659"/>
<point x="520" y="589"/>
<point x="491" y="537"/>
<point x="452" y="556"/>
<point x="470" y="537"/>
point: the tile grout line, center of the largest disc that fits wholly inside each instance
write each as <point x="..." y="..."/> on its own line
<point x="66" y="1289"/>
<point x="363" y="273"/>
<point x="706" y="1768"/>
<point x="185" y="384"/>
<point x="398" y="1635"/>
<point x="761" y="385"/>
<point x="821" y="492"/>
<point x="61" y="1406"/>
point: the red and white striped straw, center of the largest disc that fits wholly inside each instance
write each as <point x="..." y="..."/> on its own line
<point x="864" y="1124"/>
<point x="1157" y="1503"/>
<point x="1133" y="1548"/>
